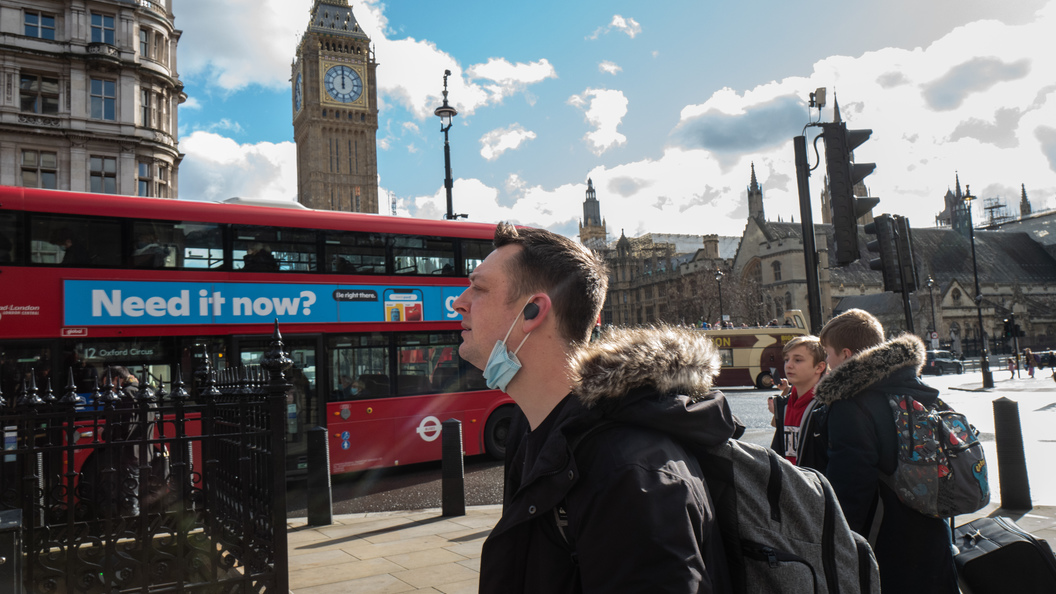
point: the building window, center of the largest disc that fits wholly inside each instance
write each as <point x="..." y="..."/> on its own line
<point x="163" y="181"/>
<point x="39" y="94"/>
<point x="41" y="26"/>
<point x="788" y="301"/>
<point x="777" y="271"/>
<point x="39" y="169"/>
<point x="103" y="175"/>
<point x="146" y="106"/>
<point x="102" y="29"/>
<point x="146" y="181"/>
<point x="144" y="43"/>
<point x="104" y="99"/>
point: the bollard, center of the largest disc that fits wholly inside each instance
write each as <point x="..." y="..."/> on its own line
<point x="1011" y="461"/>
<point x="453" y="471"/>
<point x="320" y="498"/>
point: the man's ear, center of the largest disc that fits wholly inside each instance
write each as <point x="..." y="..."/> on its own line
<point x="541" y="306"/>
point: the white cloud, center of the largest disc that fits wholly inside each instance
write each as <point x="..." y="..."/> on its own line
<point x="626" y="25"/>
<point x="216" y="168"/>
<point x="619" y="23"/>
<point x="507" y="79"/>
<point x="604" y="109"/>
<point x="609" y="67"/>
<point x="500" y="140"/>
<point x="410" y="127"/>
<point x="240" y="43"/>
<point x="191" y="103"/>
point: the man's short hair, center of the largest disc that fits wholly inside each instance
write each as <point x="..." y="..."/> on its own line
<point x="854" y="329"/>
<point x="813" y="344"/>
<point x="574" y="277"/>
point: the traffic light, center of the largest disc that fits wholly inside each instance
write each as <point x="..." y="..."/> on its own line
<point x="845" y="209"/>
<point x="905" y="252"/>
<point x="1008" y="328"/>
<point x="886" y="247"/>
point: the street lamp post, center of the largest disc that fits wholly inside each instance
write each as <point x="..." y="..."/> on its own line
<point x="931" y="284"/>
<point x="446" y="113"/>
<point x="988" y="377"/>
<point x="718" y="279"/>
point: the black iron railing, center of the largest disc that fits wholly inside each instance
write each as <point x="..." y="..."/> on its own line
<point x="143" y="489"/>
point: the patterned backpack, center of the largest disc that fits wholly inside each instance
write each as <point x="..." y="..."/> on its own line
<point x="941" y="468"/>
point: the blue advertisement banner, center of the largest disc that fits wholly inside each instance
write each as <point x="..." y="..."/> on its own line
<point x="131" y="303"/>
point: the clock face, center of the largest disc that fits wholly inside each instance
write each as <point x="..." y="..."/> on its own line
<point x="343" y="83"/>
<point x="297" y="93"/>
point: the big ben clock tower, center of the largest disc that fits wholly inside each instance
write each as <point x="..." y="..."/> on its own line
<point x="335" y="112"/>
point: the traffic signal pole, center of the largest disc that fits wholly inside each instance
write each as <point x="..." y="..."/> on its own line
<point x="810" y="248"/>
<point x="905" y="283"/>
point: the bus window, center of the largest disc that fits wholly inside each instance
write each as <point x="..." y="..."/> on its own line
<point x="167" y="244"/>
<point x="274" y="249"/>
<point x="359" y="362"/>
<point x="355" y="253"/>
<point x="10" y="238"/>
<point x="427" y="363"/>
<point x="75" y="241"/>
<point x="424" y="255"/>
<point x="473" y="253"/>
<point x="199" y="245"/>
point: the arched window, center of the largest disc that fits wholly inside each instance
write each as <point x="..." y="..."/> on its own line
<point x="777" y="271"/>
<point x="788" y="301"/>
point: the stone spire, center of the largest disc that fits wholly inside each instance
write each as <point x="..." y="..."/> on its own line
<point x="592" y="231"/>
<point x="1025" y="209"/>
<point x="755" y="199"/>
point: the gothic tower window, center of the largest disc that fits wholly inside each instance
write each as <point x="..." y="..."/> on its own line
<point x="777" y="271"/>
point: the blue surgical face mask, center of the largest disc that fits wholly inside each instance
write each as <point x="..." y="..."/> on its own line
<point x="502" y="364"/>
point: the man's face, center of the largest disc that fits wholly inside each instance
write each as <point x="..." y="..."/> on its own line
<point x="835" y="359"/>
<point x="800" y="368"/>
<point x="486" y="310"/>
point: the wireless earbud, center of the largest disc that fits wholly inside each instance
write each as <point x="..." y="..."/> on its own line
<point x="530" y="311"/>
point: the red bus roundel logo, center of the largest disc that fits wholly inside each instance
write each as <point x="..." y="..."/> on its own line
<point x="429" y="428"/>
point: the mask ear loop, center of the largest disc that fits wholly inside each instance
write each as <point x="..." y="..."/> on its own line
<point x="510" y="331"/>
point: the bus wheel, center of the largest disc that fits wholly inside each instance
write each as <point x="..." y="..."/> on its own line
<point x="764" y="381"/>
<point x="496" y="431"/>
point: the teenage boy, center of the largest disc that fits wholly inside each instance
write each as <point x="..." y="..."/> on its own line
<point x="913" y="550"/>
<point x="800" y="422"/>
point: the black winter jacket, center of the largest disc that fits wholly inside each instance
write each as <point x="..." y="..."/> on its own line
<point x="913" y="550"/>
<point x="639" y="515"/>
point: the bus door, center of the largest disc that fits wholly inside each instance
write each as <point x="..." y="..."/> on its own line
<point x="303" y="410"/>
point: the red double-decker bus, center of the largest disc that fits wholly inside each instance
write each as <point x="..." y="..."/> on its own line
<point x="364" y="302"/>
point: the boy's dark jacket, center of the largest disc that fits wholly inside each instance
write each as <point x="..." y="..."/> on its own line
<point x="813" y="435"/>
<point x="913" y="550"/>
<point x="637" y="505"/>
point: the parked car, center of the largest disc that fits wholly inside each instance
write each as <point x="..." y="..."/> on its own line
<point x="940" y="362"/>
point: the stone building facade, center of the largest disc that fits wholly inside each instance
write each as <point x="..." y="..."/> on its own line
<point x="335" y="112"/>
<point x="89" y="96"/>
<point x="652" y="279"/>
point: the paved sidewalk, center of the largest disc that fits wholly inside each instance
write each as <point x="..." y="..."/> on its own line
<point x="413" y="551"/>
<point x="421" y="551"/>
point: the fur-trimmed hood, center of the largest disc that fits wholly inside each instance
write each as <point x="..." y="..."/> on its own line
<point x="870" y="366"/>
<point x="657" y="377"/>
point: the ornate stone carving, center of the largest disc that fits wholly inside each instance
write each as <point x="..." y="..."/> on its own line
<point x="38" y="120"/>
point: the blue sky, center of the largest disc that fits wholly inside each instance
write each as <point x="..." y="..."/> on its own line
<point x="665" y="105"/>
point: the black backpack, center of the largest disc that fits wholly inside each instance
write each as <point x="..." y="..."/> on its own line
<point x="781" y="526"/>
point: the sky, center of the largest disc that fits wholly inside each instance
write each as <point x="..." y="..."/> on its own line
<point x="665" y="106"/>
